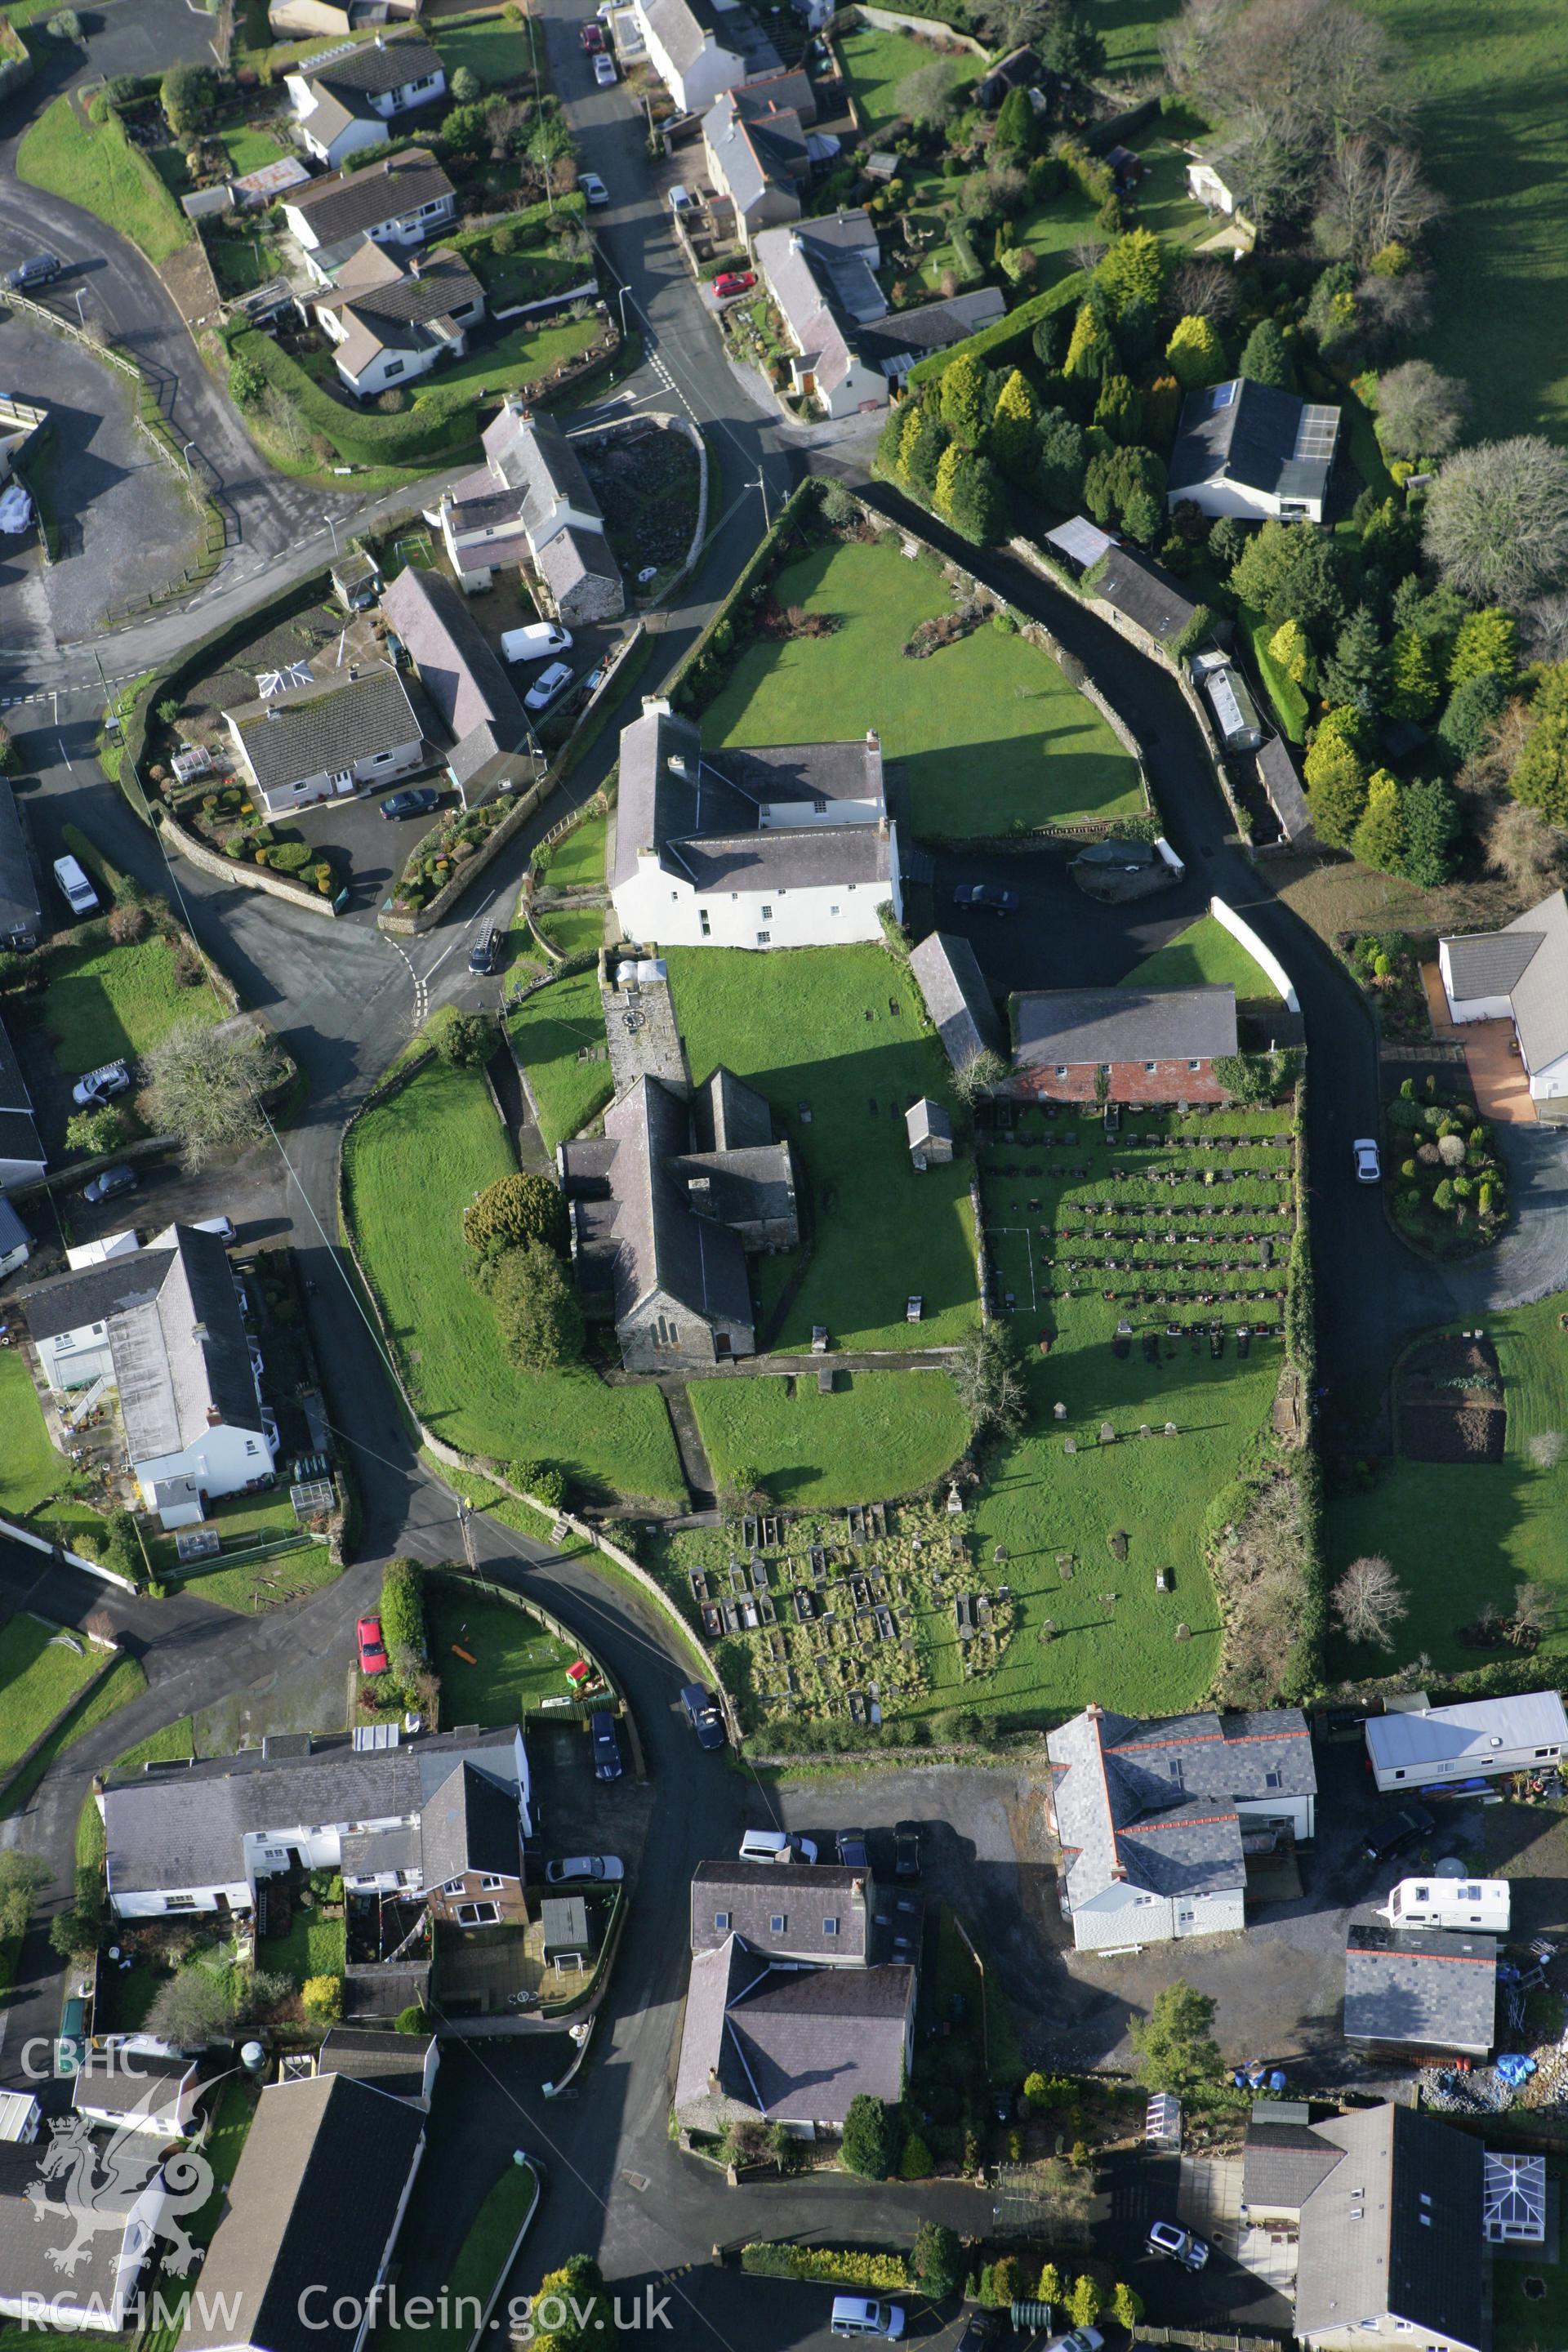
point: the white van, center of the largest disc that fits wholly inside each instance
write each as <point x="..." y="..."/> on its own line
<point x="532" y="643"/>
<point x="76" y="890"/>
<point x="854" y="2315"/>
<point x="222" y="1226"/>
<point x="776" y="1845"/>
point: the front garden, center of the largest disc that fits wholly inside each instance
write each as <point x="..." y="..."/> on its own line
<point x="992" y="738"/>
<point x="558" y="1037"/>
<point x="1448" y="1183"/>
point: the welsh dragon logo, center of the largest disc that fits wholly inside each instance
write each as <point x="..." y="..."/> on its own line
<point x="93" y="2181"/>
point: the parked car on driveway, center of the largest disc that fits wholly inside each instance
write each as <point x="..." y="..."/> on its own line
<point x="113" y="1078"/>
<point x="732" y="282"/>
<point x="1178" y="2245"/>
<point x="373" y="1658"/>
<point x="986" y="894"/>
<point x="605" y="72"/>
<point x="418" y="801"/>
<point x="38" y="270"/>
<point x="703" y="1713"/>
<point x="1400" y="1829"/>
<point x="776" y="1845"/>
<point x="593" y="188"/>
<point x="1368" y="1167"/>
<point x="110" y="1185"/>
<point x="532" y="643"/>
<point x="852" y="1850"/>
<point x="549" y="683"/>
<point x="484" y="956"/>
<point x="605" y="1867"/>
<point x="907" y="1850"/>
<point x="607" y="1764"/>
<point x="681" y="199"/>
<point x="593" y="37"/>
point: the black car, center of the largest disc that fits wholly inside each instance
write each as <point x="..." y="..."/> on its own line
<point x="110" y="1185"/>
<point x="608" y="1763"/>
<point x="704" y="1715"/>
<point x="484" y="956"/>
<point x="907" y="1850"/>
<point x="986" y="894"/>
<point x="1400" y="1829"/>
<point x="418" y="801"/>
<point x="853" y="1853"/>
<point x="981" y="2334"/>
<point x="38" y="270"/>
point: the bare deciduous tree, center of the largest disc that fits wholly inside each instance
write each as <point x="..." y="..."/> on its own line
<point x="1369" y="1601"/>
<point x="978" y="1076"/>
<point x="1373" y="196"/>
<point x="1013" y="24"/>
<point x="1530" y="854"/>
<point x="1273" y="170"/>
<point x="1389" y="311"/>
<point x="1420" y="411"/>
<point x="926" y="95"/>
<point x="1497" y="519"/>
<point x="1318" y="71"/>
<point x="1203" y="290"/>
<point x="989" y="1382"/>
<point x="206" y="1085"/>
<point x="1545" y="628"/>
<point x="1534" y="1609"/>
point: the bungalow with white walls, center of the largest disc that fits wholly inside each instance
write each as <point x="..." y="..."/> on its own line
<point x="1520" y="974"/>
<point x="324" y="739"/>
<point x="391" y="321"/>
<point x="782" y="845"/>
<point x="1249" y="449"/>
<point x="162" y="1329"/>
<point x="401" y="201"/>
<point x="354" y="97"/>
<point x="1421" y="1746"/>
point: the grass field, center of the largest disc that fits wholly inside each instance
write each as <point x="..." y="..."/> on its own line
<point x="893" y="1431"/>
<point x="314" y="1947"/>
<point x="877" y="63"/>
<point x="1033" y="752"/>
<point x="105" y="1001"/>
<point x="97" y="167"/>
<point x="523" y="355"/>
<point x="1205" y="953"/>
<point x="577" y="859"/>
<point x="572" y="931"/>
<point x="410" y="1165"/>
<point x="796" y="1025"/>
<point x="1459" y="1534"/>
<point x="517" y="1661"/>
<point x="117" y="1689"/>
<point x="31" y="1470"/>
<point x="494" y="51"/>
<point x="42" y="1673"/>
<point x="549" y="1032"/>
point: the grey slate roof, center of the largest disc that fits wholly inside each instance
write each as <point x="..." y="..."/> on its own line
<point x="173" y="1831"/>
<point x="1247" y="433"/>
<point x="757" y="148"/>
<point x="752" y="1894"/>
<point x="175" y="1335"/>
<point x="929" y="326"/>
<point x="704" y="816"/>
<point x="1528" y="962"/>
<point x="1426" y="1988"/>
<point x="146" y="2084"/>
<point x="807" y="2041"/>
<point x="13" y="1232"/>
<point x="659" y="1244"/>
<point x="19" y="1137"/>
<point x="1122" y="1024"/>
<point x="948" y="973"/>
<point x="1156" y="1803"/>
<point x="332" y="723"/>
<point x="353" y="202"/>
<point x="20" y="913"/>
<point x="531" y="455"/>
<point x="458" y="668"/>
<point x="822" y="276"/>
<point x="470" y="1823"/>
<point x="1395" y="2230"/>
<point x="1283" y="2163"/>
<point x="36" y="2228"/>
<point x="573" y="556"/>
<point x="392" y="2062"/>
<point x="1463" y="1735"/>
<point x="1144" y="592"/>
<point x="1276" y="771"/>
<point x="727" y="1115"/>
<point x="925" y="1120"/>
<point x="376" y="67"/>
<point x="678" y="29"/>
<point x="312" y="2205"/>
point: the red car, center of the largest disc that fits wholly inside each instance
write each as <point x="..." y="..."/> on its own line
<point x="593" y="38"/>
<point x="734" y="282"/>
<point x="371" y="1648"/>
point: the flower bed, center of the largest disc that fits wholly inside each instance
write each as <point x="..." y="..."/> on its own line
<point x="1387" y="967"/>
<point x="1449" y="1197"/>
<point x="438" y="858"/>
<point x="221" y="813"/>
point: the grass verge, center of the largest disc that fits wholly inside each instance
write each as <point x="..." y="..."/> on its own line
<point x="95" y="165"/>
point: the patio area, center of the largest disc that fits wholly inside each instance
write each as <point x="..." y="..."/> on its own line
<point x="1496" y="1074"/>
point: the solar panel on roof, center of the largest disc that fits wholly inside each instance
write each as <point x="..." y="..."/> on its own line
<point x="1223" y="394"/>
<point x="1317" y="433"/>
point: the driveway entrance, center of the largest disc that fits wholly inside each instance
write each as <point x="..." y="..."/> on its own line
<point x="1496" y="1074"/>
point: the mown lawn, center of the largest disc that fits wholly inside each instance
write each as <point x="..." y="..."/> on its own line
<point x="572" y="931"/>
<point x="103" y="1002"/>
<point x="816" y="1025"/>
<point x="410" y="1167"/>
<point x="31" y="1470"/>
<point x="516" y="1661"/>
<point x="992" y="737"/>
<point x="1459" y="1534"/>
<point x="117" y="1689"/>
<point x="577" y="859"/>
<point x="1205" y="953"/>
<point x="42" y="1670"/>
<point x="314" y="1947"/>
<point x="523" y="355"/>
<point x="97" y="167"/>
<point x="550" y="1033"/>
<point x="879" y="62"/>
<point x="494" y="51"/>
<point x="879" y="1435"/>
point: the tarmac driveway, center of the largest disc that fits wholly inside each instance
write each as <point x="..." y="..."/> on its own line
<point x="1058" y="938"/>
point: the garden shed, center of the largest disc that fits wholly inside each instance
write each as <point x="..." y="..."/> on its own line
<point x="929" y="1132"/>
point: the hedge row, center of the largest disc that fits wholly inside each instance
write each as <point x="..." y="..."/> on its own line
<point x="826" y="2265"/>
<point x="532" y="225"/>
<point x="438" y="426"/>
<point x="1304" y="1668"/>
<point x="1002" y="339"/>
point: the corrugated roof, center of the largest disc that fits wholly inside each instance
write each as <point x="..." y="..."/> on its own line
<point x="1468" y="1734"/>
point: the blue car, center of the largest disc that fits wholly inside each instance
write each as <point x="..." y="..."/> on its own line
<point x="606" y="1747"/>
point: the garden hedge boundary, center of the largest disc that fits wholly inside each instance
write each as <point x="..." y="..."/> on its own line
<point x="423" y="435"/>
<point x="826" y="2265"/>
<point x="998" y="340"/>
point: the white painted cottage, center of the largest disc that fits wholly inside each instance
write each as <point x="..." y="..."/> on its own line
<point x="1520" y="974"/>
